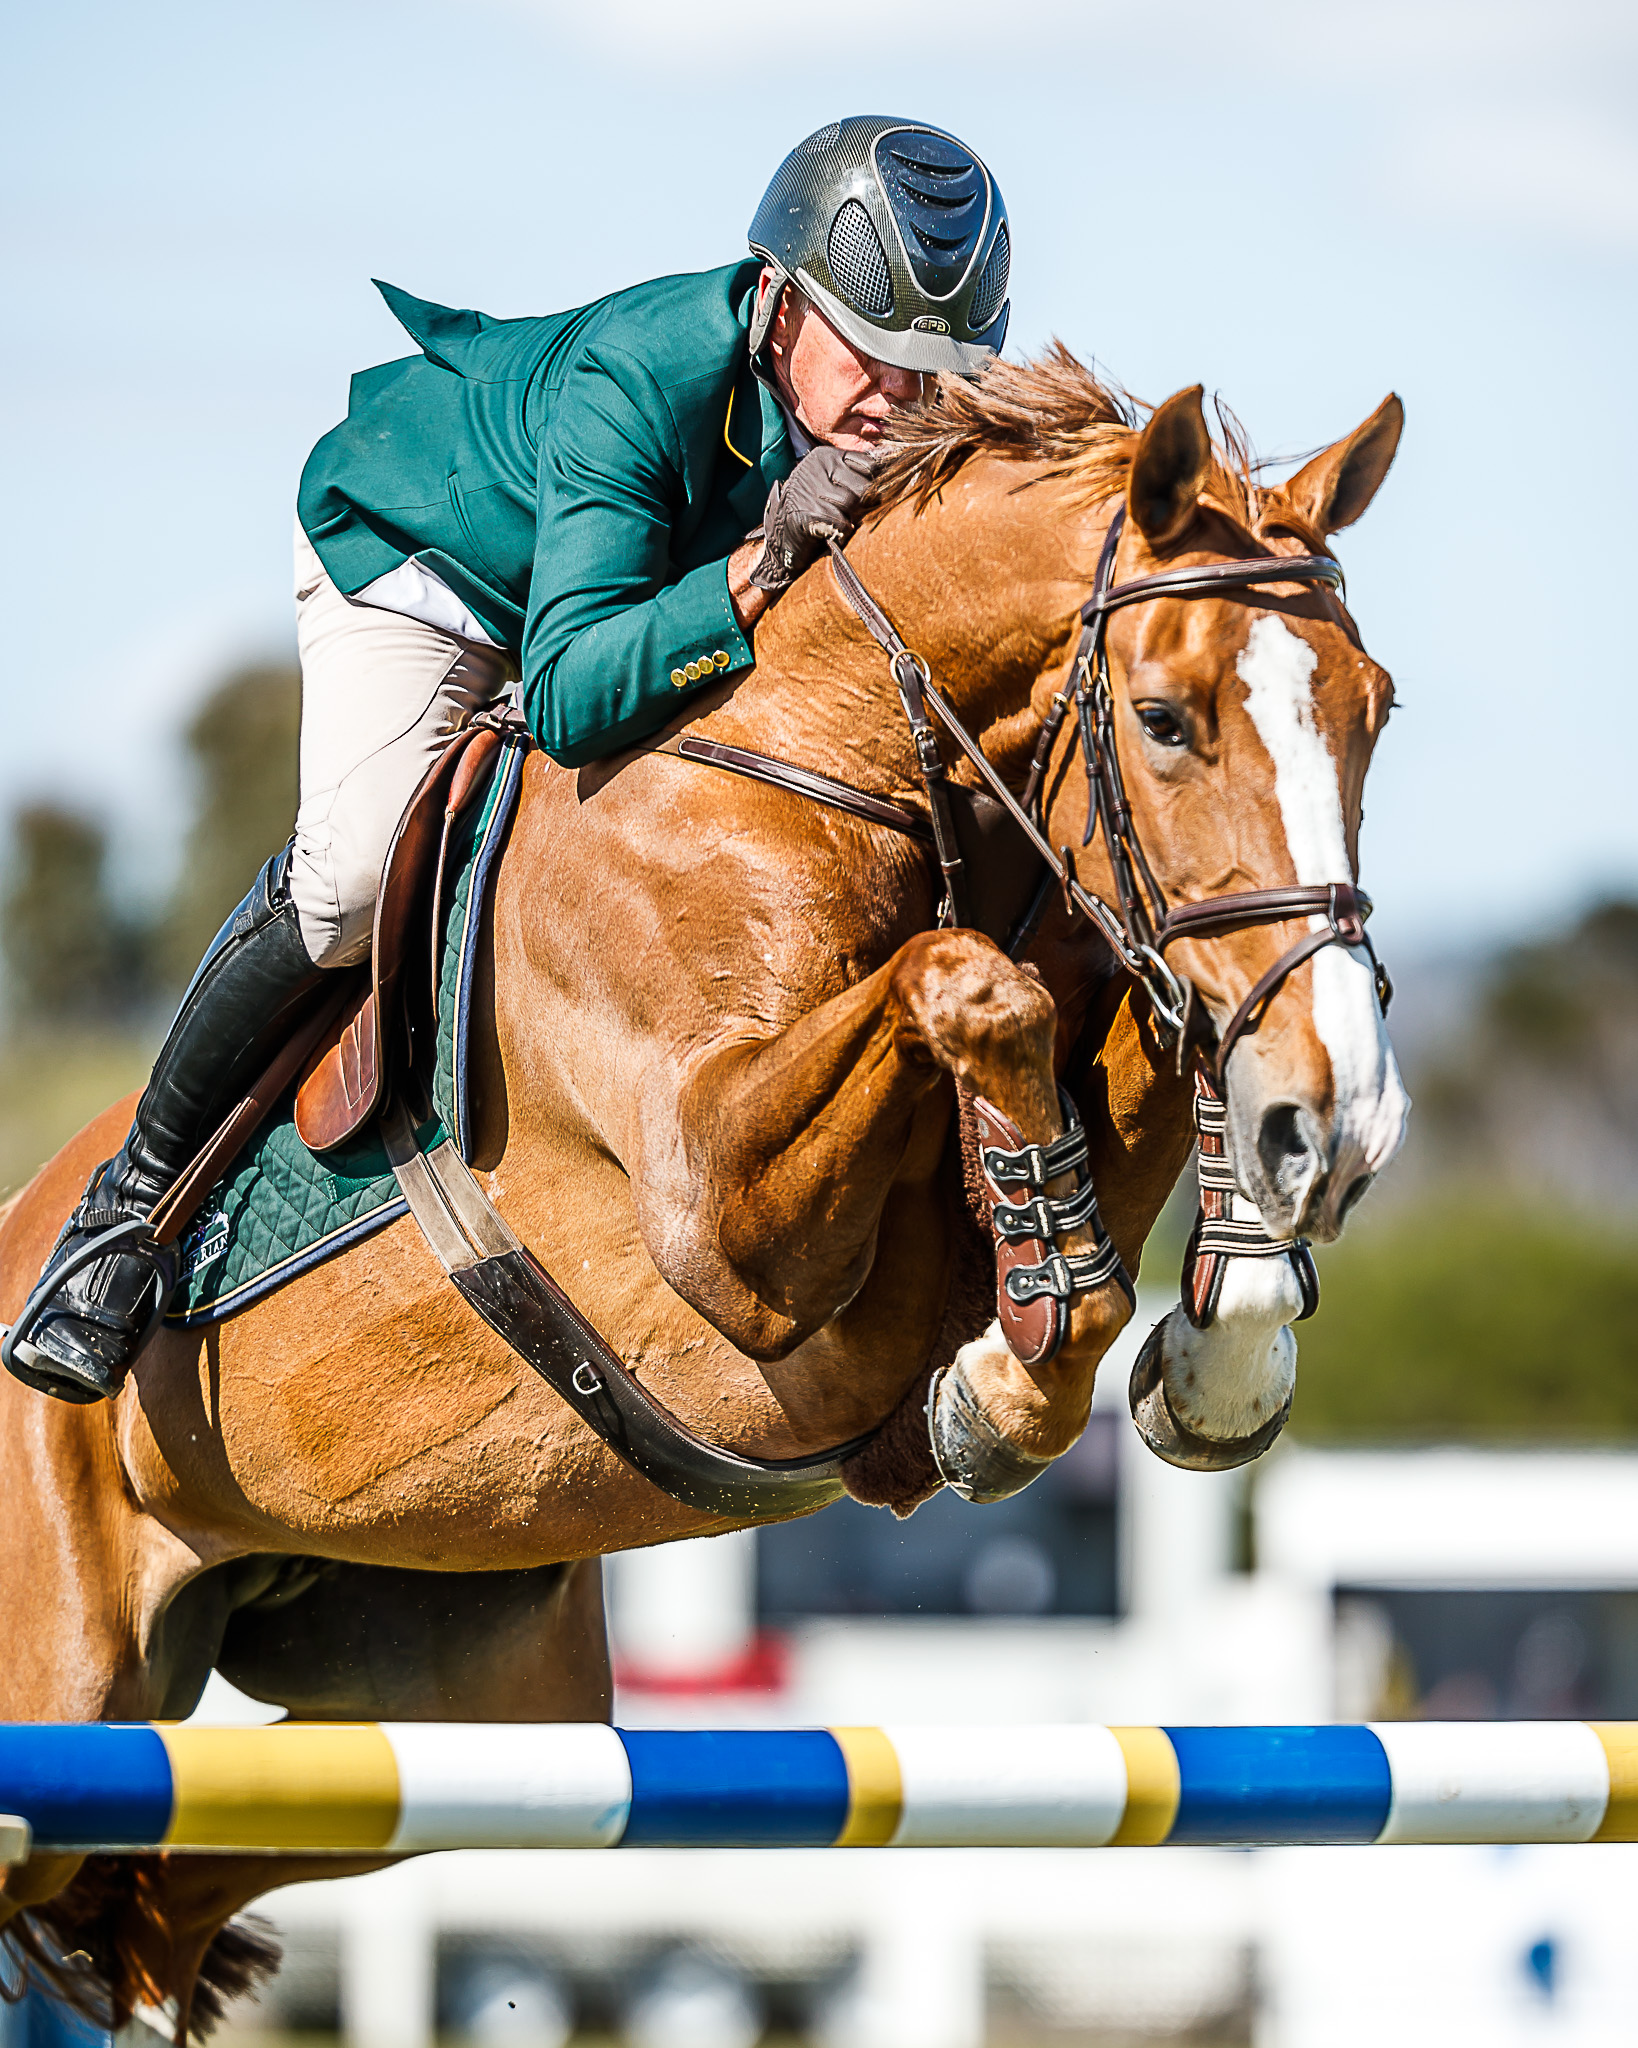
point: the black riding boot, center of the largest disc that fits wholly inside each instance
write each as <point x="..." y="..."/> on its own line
<point x="236" y="1009"/>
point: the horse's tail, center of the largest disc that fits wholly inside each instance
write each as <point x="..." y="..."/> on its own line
<point x="111" y="1941"/>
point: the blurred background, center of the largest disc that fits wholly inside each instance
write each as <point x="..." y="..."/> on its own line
<point x="1303" y="208"/>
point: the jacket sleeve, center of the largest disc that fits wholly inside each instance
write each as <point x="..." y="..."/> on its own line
<point x="609" y="615"/>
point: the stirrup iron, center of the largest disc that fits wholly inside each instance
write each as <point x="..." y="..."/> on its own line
<point x="39" y="1370"/>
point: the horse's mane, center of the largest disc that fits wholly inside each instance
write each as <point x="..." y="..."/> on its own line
<point x="1049" y="409"/>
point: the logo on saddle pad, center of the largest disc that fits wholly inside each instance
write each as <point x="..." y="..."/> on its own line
<point x="205" y="1243"/>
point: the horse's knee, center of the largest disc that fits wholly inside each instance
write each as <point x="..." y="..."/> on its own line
<point x="969" y="1008"/>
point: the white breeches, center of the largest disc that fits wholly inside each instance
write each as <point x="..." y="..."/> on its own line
<point x="380" y="694"/>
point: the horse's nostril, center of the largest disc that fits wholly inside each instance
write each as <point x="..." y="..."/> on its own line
<point x="1352" y="1196"/>
<point x="1283" y="1147"/>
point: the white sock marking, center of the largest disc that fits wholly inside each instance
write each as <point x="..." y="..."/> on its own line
<point x="1225" y="1381"/>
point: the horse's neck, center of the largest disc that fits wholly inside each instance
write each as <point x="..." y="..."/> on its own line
<point x="979" y="583"/>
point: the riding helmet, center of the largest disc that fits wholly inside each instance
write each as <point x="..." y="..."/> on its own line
<point x="898" y="234"/>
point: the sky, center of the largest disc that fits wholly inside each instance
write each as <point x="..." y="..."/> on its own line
<point x="1302" y="207"/>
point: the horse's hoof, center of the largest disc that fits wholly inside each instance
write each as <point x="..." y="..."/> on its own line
<point x="1175" y="1441"/>
<point x="974" y="1460"/>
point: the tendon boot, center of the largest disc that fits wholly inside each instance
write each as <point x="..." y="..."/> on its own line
<point x="90" y="1314"/>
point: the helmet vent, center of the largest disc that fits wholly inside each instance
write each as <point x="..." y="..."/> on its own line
<point x="939" y="194"/>
<point x="992" y="286"/>
<point x="857" y="264"/>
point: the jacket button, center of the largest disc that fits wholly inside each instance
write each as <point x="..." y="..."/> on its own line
<point x="692" y="671"/>
<point x="721" y="657"/>
<point x="677" y="679"/>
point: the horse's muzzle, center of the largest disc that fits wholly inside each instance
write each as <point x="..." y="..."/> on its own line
<point x="1306" y="1170"/>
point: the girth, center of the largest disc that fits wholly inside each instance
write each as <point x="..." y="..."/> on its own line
<point x="500" y="1278"/>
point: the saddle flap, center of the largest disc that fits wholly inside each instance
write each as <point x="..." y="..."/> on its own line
<point x="343" y="1086"/>
<point x="342" y="1083"/>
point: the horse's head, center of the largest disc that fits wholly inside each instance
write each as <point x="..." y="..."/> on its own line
<point x="1244" y="721"/>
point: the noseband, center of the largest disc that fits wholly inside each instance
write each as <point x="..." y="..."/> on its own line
<point x="1140" y="925"/>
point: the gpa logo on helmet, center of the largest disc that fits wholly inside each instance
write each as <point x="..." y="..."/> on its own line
<point x="930" y="323"/>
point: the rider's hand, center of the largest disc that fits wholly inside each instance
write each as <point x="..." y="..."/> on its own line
<point x="818" y="502"/>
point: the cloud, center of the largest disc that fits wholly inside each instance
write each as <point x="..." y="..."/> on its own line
<point x="1511" y="113"/>
<point x="1565" y="172"/>
<point x="1270" y="41"/>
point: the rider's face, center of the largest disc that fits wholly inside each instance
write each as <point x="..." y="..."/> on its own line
<point x="839" y="394"/>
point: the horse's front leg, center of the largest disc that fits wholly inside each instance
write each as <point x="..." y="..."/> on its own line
<point x="1138" y="1112"/>
<point x="1139" y="1130"/>
<point x="764" y="1209"/>
<point x="1214" y="1398"/>
<point x="1214" y="1394"/>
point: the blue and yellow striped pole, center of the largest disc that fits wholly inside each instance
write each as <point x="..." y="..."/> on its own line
<point x="406" y="1787"/>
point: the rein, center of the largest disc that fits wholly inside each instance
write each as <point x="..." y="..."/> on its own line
<point x="499" y="1278"/>
<point x="1140" y="925"/>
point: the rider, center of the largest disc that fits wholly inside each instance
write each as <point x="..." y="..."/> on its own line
<point x="570" y="503"/>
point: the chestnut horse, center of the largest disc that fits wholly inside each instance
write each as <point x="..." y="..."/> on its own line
<point x="721" y="1055"/>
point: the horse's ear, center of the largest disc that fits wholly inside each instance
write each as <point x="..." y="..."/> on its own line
<point x="1333" y="490"/>
<point x="1169" y="469"/>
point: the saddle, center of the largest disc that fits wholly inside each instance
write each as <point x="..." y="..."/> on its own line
<point x="346" y="1076"/>
<point x="361" y="1025"/>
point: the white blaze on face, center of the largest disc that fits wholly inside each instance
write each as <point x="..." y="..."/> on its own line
<point x="1277" y="668"/>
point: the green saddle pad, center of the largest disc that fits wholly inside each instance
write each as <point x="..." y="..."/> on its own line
<point x="280" y="1209"/>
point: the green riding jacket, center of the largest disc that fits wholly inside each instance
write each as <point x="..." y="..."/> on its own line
<point x="579" y="480"/>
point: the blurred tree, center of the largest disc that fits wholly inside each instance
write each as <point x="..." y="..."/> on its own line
<point x="1490" y="1292"/>
<point x="71" y="959"/>
<point x="1472" y="1321"/>
<point x="1540" y="1090"/>
<point x="242" y="741"/>
<point x="88" y="981"/>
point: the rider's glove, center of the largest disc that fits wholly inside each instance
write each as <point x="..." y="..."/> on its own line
<point x="818" y="502"/>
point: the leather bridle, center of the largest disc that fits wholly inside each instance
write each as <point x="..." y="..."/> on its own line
<point x="1140" y="925"/>
<point x="498" y="1276"/>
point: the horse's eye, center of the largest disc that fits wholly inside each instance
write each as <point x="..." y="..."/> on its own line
<point x="1162" y="726"/>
